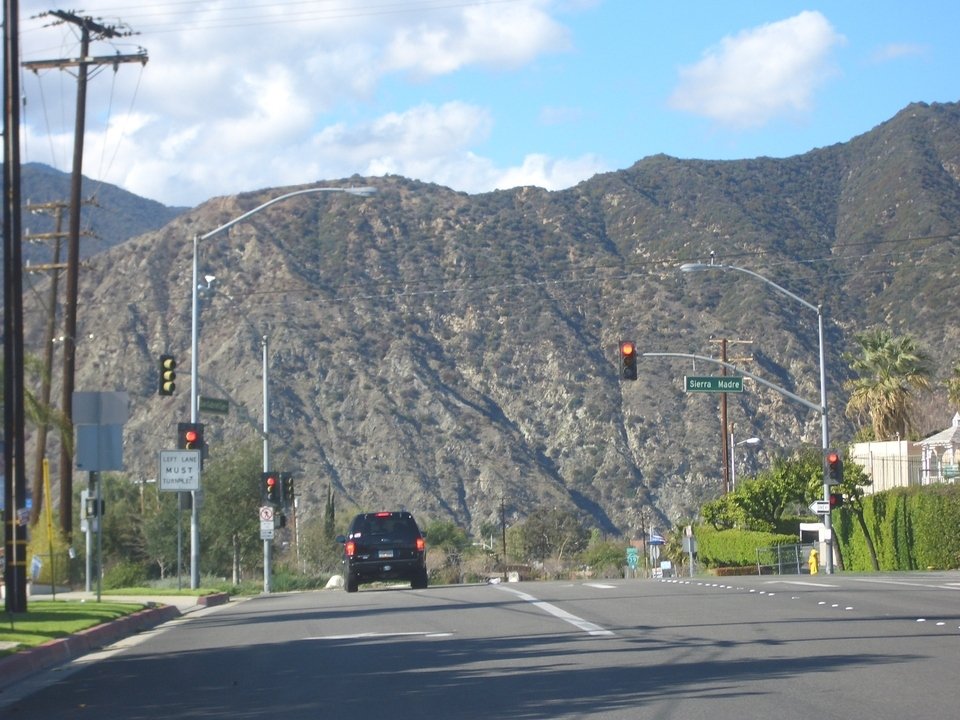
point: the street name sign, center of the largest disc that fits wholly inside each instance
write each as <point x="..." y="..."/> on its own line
<point x="712" y="383"/>
<point x="216" y="406"/>
<point x="179" y="470"/>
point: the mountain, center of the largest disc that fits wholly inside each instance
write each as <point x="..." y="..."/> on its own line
<point x="109" y="215"/>
<point x="448" y="353"/>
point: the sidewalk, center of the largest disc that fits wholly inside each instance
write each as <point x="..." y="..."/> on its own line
<point x="158" y="610"/>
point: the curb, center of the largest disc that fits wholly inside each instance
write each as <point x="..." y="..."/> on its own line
<point x="20" y="665"/>
<point x="214" y="599"/>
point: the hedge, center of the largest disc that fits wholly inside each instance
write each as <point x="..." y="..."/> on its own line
<point x="913" y="528"/>
<point x="734" y="548"/>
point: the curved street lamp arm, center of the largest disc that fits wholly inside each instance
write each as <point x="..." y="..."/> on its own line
<point x="365" y="191"/>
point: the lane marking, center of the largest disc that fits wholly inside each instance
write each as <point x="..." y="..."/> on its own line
<point x="600" y="586"/>
<point x="586" y="626"/>
<point x="948" y="586"/>
<point x="802" y="582"/>
<point x="368" y="635"/>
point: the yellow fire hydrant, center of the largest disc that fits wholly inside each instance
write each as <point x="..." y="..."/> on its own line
<point x="814" y="561"/>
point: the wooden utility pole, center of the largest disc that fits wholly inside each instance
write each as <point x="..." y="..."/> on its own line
<point x="14" y="489"/>
<point x="727" y="451"/>
<point x="54" y="267"/>
<point x="89" y="30"/>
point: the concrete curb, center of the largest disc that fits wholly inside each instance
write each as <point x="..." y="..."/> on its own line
<point x="20" y="665"/>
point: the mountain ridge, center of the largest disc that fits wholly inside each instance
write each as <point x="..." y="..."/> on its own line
<point x="455" y="354"/>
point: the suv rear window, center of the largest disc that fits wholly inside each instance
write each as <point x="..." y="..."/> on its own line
<point x="393" y="525"/>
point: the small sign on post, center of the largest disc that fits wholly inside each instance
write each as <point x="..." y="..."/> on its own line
<point x="179" y="470"/>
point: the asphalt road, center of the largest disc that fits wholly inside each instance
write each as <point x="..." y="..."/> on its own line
<point x="850" y="647"/>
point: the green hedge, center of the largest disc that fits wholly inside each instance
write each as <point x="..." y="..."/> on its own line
<point x="734" y="548"/>
<point x="912" y="529"/>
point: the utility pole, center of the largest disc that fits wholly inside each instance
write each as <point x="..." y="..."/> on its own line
<point x="726" y="450"/>
<point x="89" y="31"/>
<point x="54" y="267"/>
<point x="14" y="489"/>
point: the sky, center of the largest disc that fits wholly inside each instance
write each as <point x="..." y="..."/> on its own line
<point x="475" y="95"/>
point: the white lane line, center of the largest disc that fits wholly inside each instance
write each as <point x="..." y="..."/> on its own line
<point x="801" y="582"/>
<point x="947" y="586"/>
<point x="586" y="626"/>
<point x="368" y="635"/>
<point x="601" y="586"/>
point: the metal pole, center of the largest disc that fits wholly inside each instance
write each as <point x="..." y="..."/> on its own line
<point x="194" y="375"/>
<point x="733" y="465"/>
<point x="825" y="436"/>
<point x="267" y="544"/>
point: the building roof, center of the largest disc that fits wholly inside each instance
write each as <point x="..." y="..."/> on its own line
<point x="950" y="436"/>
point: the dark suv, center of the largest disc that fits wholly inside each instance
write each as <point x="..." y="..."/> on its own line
<point x="383" y="546"/>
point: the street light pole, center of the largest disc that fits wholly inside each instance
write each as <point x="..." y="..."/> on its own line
<point x="733" y="458"/>
<point x="824" y="423"/>
<point x="365" y="191"/>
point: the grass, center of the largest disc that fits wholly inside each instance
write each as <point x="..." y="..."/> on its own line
<point x="47" y="620"/>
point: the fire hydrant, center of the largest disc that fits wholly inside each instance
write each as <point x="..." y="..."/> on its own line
<point x="814" y="561"/>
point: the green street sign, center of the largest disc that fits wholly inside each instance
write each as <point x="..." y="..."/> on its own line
<point x="217" y="406"/>
<point x="712" y="383"/>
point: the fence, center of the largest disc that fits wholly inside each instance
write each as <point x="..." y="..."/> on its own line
<point x="783" y="559"/>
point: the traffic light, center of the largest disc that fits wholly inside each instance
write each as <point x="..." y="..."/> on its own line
<point x="167" y="376"/>
<point x="833" y="467"/>
<point x="836" y="501"/>
<point x="286" y="479"/>
<point x="270" y="488"/>
<point x="190" y="436"/>
<point x="93" y="508"/>
<point x="628" y="360"/>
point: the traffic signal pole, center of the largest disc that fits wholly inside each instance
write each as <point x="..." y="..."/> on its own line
<point x="267" y="544"/>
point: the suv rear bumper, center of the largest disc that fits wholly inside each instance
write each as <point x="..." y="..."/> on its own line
<point x="364" y="570"/>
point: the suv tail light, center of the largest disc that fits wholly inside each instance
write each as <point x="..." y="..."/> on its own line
<point x="350" y="547"/>
<point x="421" y="544"/>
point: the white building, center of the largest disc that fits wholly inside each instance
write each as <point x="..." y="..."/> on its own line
<point x="901" y="463"/>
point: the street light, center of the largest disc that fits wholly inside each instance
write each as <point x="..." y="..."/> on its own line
<point x="365" y="191"/>
<point x="733" y="457"/>
<point x="825" y="431"/>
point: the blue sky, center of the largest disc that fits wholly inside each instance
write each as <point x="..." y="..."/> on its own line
<point x="475" y="95"/>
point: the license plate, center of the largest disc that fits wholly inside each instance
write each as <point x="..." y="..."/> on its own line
<point x="385" y="554"/>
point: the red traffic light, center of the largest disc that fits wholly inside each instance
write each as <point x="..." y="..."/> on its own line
<point x="190" y="436"/>
<point x="628" y="360"/>
<point x="271" y="481"/>
<point x="832" y="457"/>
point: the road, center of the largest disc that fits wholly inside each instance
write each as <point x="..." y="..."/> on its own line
<point x="850" y="647"/>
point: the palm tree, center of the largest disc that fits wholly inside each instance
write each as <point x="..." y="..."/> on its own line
<point x="890" y="370"/>
<point x="40" y="415"/>
<point x="953" y="388"/>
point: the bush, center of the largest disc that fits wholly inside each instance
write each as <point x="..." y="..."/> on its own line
<point x="125" y="575"/>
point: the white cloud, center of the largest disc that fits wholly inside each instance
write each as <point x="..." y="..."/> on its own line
<point x="895" y="51"/>
<point x="239" y="98"/>
<point x="494" y="35"/>
<point x="761" y="73"/>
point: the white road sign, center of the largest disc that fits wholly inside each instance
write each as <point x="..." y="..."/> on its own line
<point x="820" y="507"/>
<point x="179" y="470"/>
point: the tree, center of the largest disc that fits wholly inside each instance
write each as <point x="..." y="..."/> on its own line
<point x="230" y="520"/>
<point x="953" y="388"/>
<point x="889" y="371"/>
<point x="39" y="415"/>
<point x="552" y="533"/>
<point x="764" y="499"/>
